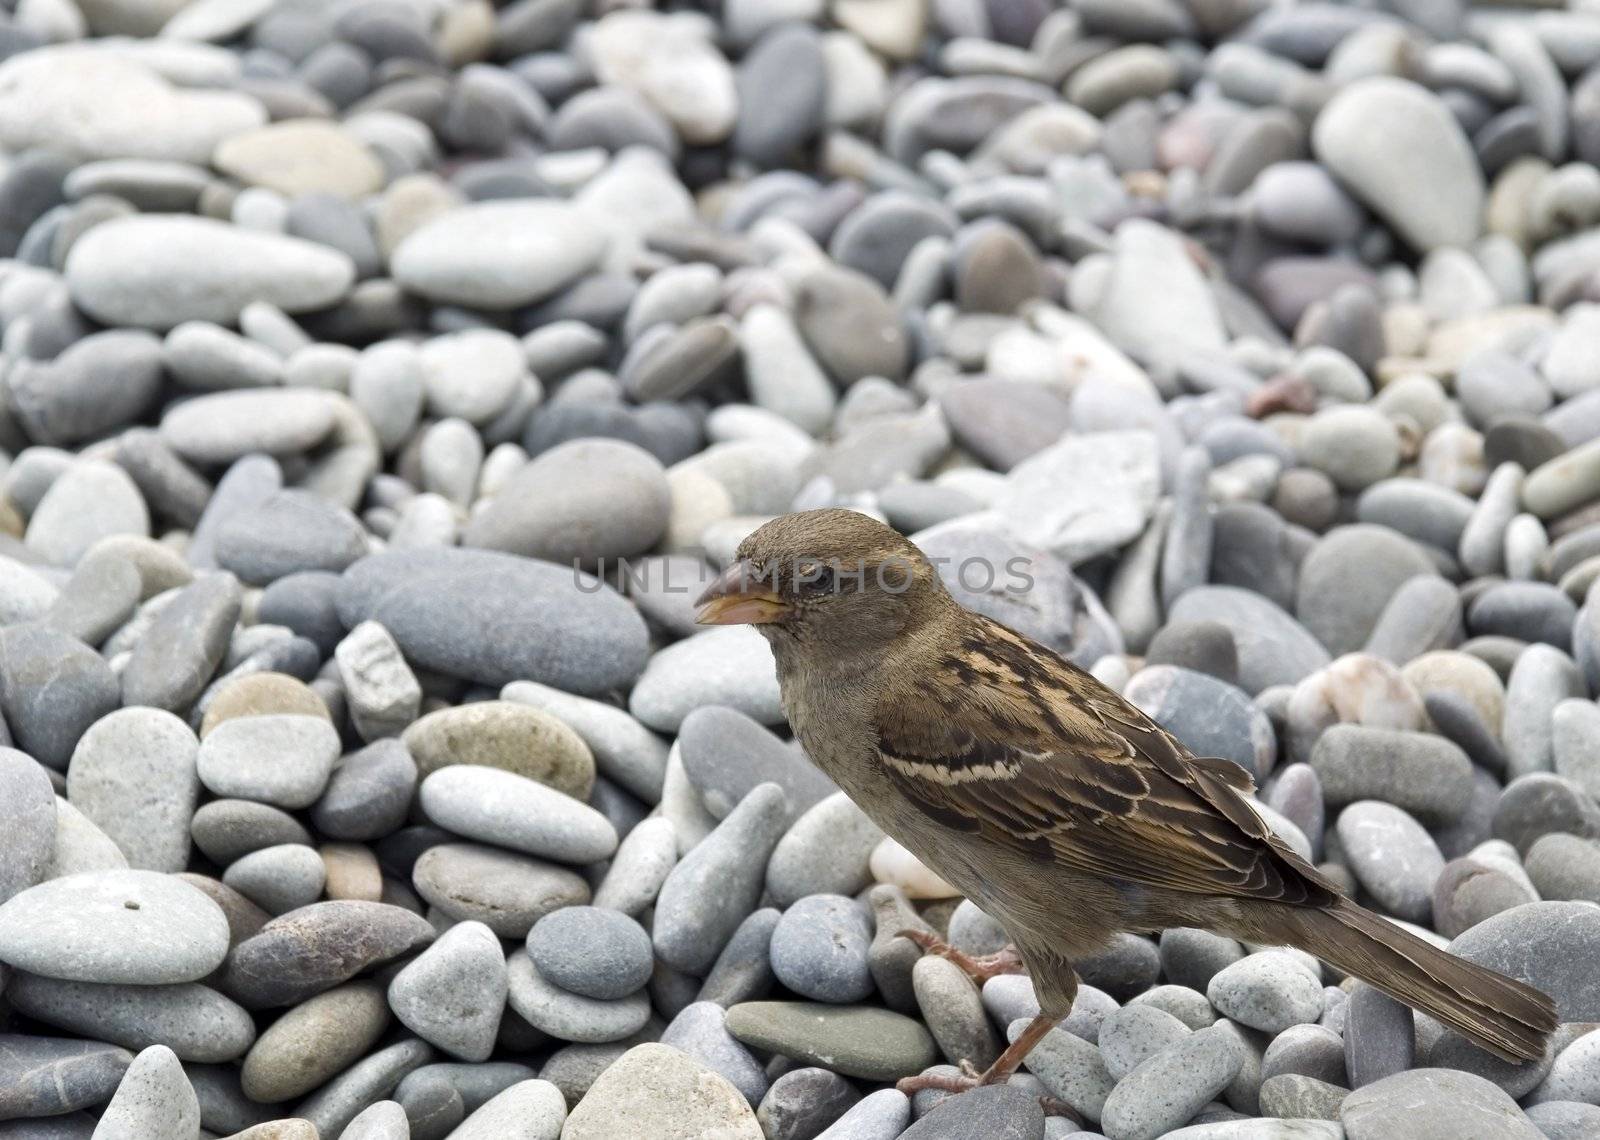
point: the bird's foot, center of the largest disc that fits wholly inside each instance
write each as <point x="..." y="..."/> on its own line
<point x="969" y="1079"/>
<point x="979" y="967"/>
<point x="1004" y="1067"/>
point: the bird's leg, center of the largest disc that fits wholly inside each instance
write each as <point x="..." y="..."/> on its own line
<point x="1004" y="1067"/>
<point x="979" y="967"/>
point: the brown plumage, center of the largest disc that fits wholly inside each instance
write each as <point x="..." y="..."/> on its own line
<point x="1042" y="795"/>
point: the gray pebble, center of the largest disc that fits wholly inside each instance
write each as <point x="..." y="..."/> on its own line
<point x="591" y="951"/>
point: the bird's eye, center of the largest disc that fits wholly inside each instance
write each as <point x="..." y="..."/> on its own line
<point x="817" y="579"/>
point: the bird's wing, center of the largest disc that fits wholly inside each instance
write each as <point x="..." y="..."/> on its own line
<point x="1036" y="755"/>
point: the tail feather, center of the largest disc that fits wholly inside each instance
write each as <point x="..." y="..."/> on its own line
<point x="1508" y="1018"/>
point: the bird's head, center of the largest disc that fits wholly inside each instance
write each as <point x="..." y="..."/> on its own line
<point x="831" y="577"/>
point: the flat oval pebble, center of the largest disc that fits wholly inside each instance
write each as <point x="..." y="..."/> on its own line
<point x="158" y="270"/>
<point x="819" y="949"/>
<point x="507" y="736"/>
<point x="569" y="1016"/>
<point x="281" y="759"/>
<point x="592" y="951"/>
<point x="197" y="1023"/>
<point x="508" y="810"/>
<point x="317" y="947"/>
<point x="506" y="891"/>
<point x="858" y="1041"/>
<point x="135" y="927"/>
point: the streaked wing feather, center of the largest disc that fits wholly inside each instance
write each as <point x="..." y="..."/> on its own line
<point x="1036" y="755"/>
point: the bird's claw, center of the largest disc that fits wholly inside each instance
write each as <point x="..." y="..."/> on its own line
<point x="979" y="967"/>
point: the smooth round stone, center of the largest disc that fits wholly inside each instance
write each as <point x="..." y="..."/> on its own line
<point x="28" y="823"/>
<point x="1393" y="857"/>
<point x="953" y="1010"/>
<point x="100" y="383"/>
<point x="261" y="694"/>
<point x="1348" y="578"/>
<point x="313" y="1041"/>
<point x="1266" y="991"/>
<point x="508" y="810"/>
<point x="568" y="1016"/>
<point x="624" y="750"/>
<point x="718" y="882"/>
<point x="53" y="688"/>
<point x="133" y="774"/>
<point x="1300" y="201"/>
<point x="1353" y="445"/>
<point x="154" y="1099"/>
<point x="1540" y="803"/>
<point x="493" y="618"/>
<point x="856" y="1041"/>
<point x="317" y="947"/>
<point x="159" y="270"/>
<point x="1274" y="649"/>
<point x="278" y="879"/>
<point x="1191" y="957"/>
<point x="499" y="255"/>
<point x="819" y="949"/>
<point x="1204" y="647"/>
<point x="1105" y="503"/>
<point x="281" y="759"/>
<point x="1530" y="611"/>
<point x="1565" y="1119"/>
<point x="731" y="666"/>
<point x="197" y="1023"/>
<point x="1133" y="1034"/>
<point x="1452" y="1103"/>
<point x="1564" y="483"/>
<point x="1069" y="1067"/>
<point x="1417" y="509"/>
<point x="52" y="1076"/>
<point x="331" y="1108"/>
<point x="824" y="852"/>
<point x="452" y="995"/>
<point x="369" y="793"/>
<point x="224" y="426"/>
<point x="725" y="754"/>
<point x="289" y="532"/>
<point x="1418" y="772"/>
<point x="91" y="500"/>
<point x="687" y="79"/>
<point x="1423" y="615"/>
<point x="505" y="891"/>
<point x="592" y="952"/>
<point x="850" y="325"/>
<point x="578" y="502"/>
<point x="1541" y="679"/>
<point x="1564" y="867"/>
<point x="657" y="1090"/>
<point x="208" y="357"/>
<point x="643" y="860"/>
<point x="784" y="69"/>
<point x="1170" y="1087"/>
<point x="526" y="1110"/>
<point x="135" y="927"/>
<point x="1210" y="717"/>
<point x="301" y="156"/>
<point x="700" y="1031"/>
<point x="507" y="736"/>
<point x="1422" y="133"/>
<point x="227" y="830"/>
<point x="473" y="374"/>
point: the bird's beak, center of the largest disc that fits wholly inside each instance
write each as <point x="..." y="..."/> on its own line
<point x="740" y="597"/>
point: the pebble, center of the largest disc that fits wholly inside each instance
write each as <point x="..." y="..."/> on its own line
<point x="527" y="1110"/>
<point x="154" y="1099"/>
<point x="312" y="1042"/>
<point x="368" y="794"/>
<point x="508" y="810"/>
<point x="499" y="255"/>
<point x="1451" y="1101"/>
<point x="72" y="1074"/>
<point x="592" y="951"/>
<point x="669" y="1093"/>
<point x="729" y="666"/>
<point x="856" y="1041"/>
<point x="819" y="949"/>
<point x="197" y="1023"/>
<point x="282" y="759"/>
<point x="157" y="271"/>
<point x="288" y="532"/>
<point x="54" y="690"/>
<point x="1084" y="495"/>
<point x="569" y="1016"/>
<point x="115" y="926"/>
<point x="183" y="645"/>
<point x="506" y="737"/>
<point x="1170" y="1087"/>
<point x="452" y="995"/>
<point x="1266" y="992"/>
<point x="536" y="621"/>
<point x="316" y="947"/>
<point x="278" y="879"/>
<point x="825" y="851"/>
<point x="1392" y="856"/>
<point x="506" y="891"/>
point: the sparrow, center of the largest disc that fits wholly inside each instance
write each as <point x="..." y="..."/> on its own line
<point x="1062" y="810"/>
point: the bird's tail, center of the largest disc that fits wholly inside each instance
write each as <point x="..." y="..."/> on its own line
<point x="1508" y="1018"/>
